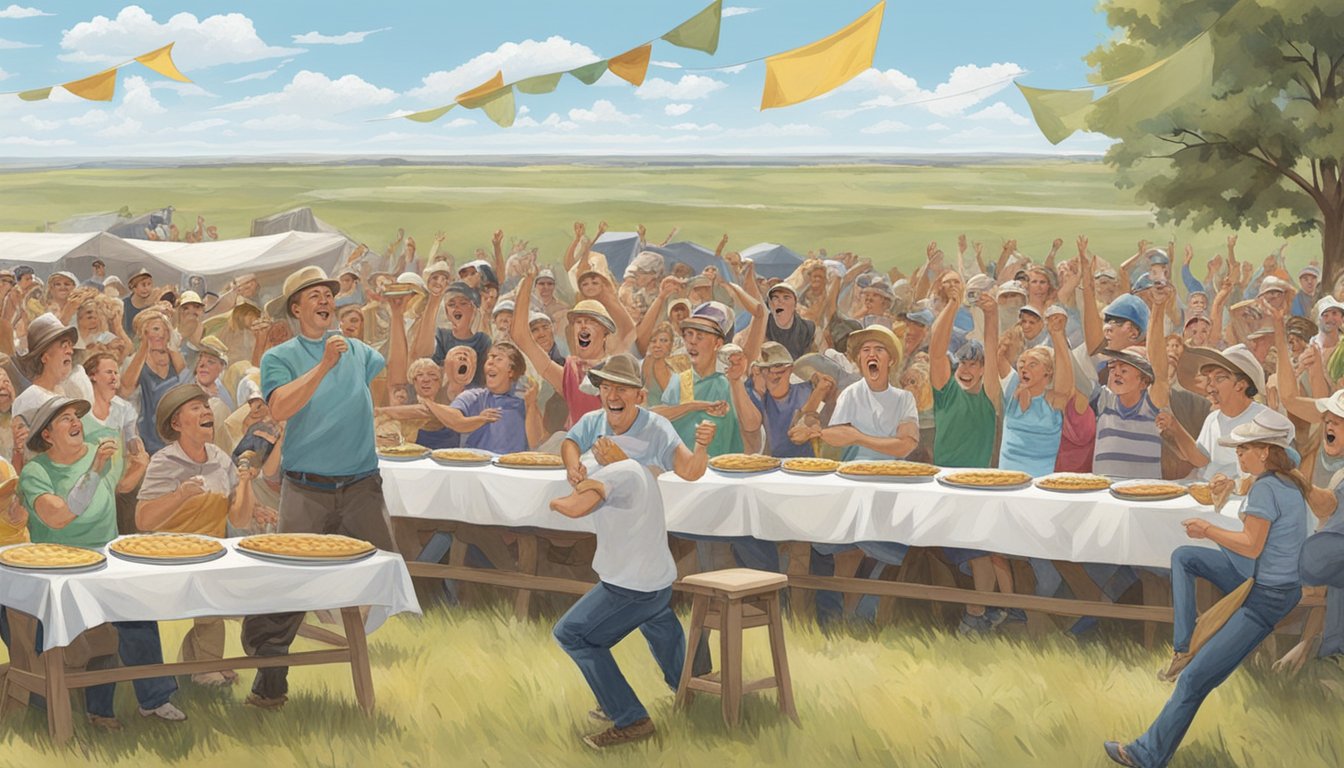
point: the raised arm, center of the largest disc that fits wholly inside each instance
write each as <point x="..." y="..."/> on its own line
<point x="1063" y="388"/>
<point x="1093" y="335"/>
<point x="989" y="309"/>
<point x="130" y="378"/>
<point x="654" y="315"/>
<point x="1054" y="249"/>
<point x="625" y="325"/>
<point x="423" y="345"/>
<point x="521" y="335"/>
<point x="570" y="258"/>
<point x="396" y="345"/>
<point x="1009" y="247"/>
<point x="1160" y="390"/>
<point x="497" y="248"/>
<point x="748" y="416"/>
<point x="940" y="338"/>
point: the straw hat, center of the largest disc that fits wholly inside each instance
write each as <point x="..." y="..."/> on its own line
<point x="1135" y="356"/>
<point x="47" y="413"/>
<point x="595" y="310"/>
<point x="772" y="354"/>
<point x="1268" y="426"/>
<point x="1234" y="359"/>
<point x="212" y="346"/>
<point x="189" y="297"/>
<point x="879" y="333"/>
<point x="618" y="369"/>
<point x="46" y="329"/>
<point x="303" y="279"/>
<point x="172" y="402"/>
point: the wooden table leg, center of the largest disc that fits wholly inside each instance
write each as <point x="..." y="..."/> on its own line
<point x="527" y="563"/>
<point x="800" y="560"/>
<point x="22" y="654"/>
<point x="847" y="566"/>
<point x="359" y="658"/>
<point x="1156" y="591"/>
<point x="730" y="651"/>
<point x="406" y="535"/>
<point x="59" y="721"/>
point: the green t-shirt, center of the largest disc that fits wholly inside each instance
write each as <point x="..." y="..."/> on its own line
<point x="965" y="424"/>
<point x="728" y="438"/>
<point x="96" y="527"/>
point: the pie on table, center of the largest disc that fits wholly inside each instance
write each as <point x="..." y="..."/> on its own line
<point x="988" y="478"/>
<point x="1074" y="481"/>
<point x="888" y="469"/>
<point x="459" y="454"/>
<point x="530" y="459"/>
<point x="1202" y="492"/>
<point x="405" y="450"/>
<point x="50" y="556"/>
<point x="314" y="545"/>
<point x="1148" y="489"/>
<point x="166" y="546"/>
<point x="806" y="464"/>
<point x="744" y="462"/>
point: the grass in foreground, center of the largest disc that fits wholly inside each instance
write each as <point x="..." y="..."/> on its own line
<point x="470" y="687"/>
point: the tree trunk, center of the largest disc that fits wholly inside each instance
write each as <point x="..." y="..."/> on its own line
<point x="1332" y="247"/>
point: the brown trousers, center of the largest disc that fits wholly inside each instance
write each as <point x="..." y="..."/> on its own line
<point x="357" y="510"/>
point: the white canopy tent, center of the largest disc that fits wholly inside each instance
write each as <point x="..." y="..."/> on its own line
<point x="48" y="252"/>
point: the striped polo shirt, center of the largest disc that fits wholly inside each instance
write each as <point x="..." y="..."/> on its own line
<point x="1128" y="443"/>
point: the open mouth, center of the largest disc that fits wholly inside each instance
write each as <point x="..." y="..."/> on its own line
<point x="462" y="370"/>
<point x="207" y="425"/>
<point x="616" y="407"/>
<point x="585" y="338"/>
<point x="779" y="310"/>
<point x="873" y="368"/>
<point x="1330" y="436"/>
<point x="458" y="317"/>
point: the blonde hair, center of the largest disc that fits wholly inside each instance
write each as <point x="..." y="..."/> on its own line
<point x="921" y="389"/>
<point x="142" y="321"/>
<point x="421" y="365"/>
<point x="1043" y="355"/>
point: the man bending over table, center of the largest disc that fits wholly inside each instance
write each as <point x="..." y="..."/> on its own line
<point x="318" y="382"/>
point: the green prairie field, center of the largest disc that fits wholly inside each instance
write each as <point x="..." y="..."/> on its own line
<point x="474" y="687"/>
<point x="884" y="212"/>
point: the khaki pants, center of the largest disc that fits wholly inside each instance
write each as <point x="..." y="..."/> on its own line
<point x="204" y="641"/>
<point x="356" y="510"/>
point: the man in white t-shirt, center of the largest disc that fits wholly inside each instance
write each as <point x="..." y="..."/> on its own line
<point x="635" y="571"/>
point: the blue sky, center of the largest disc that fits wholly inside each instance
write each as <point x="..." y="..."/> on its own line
<point x="301" y="77"/>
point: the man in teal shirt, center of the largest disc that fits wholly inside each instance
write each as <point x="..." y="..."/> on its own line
<point x="702" y="393"/>
<point x="318" y="382"/>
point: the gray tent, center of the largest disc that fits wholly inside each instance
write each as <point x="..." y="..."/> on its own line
<point x="119" y="223"/>
<point x="134" y="229"/>
<point x="620" y="248"/>
<point x="293" y="220"/>
<point x="772" y="260"/>
<point x="693" y="255"/>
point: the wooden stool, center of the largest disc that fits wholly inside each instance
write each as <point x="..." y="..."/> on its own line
<point x="730" y="601"/>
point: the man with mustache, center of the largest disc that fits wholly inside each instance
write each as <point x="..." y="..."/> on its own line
<point x="191" y="486"/>
<point x="461" y="302"/>
<point x="317" y="383"/>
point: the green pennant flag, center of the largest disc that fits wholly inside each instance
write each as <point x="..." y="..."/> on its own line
<point x="701" y="31"/>
<point x="589" y="73"/>
<point x="498" y="106"/>
<point x="37" y="94"/>
<point x="1161" y="87"/>
<point x="429" y="115"/>
<point x="540" y="84"/>
<point x="1058" y="113"/>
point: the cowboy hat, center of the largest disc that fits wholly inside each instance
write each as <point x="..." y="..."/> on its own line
<point x="213" y="347"/>
<point x="1235" y="359"/>
<point x="1268" y="426"/>
<point x="595" y="310"/>
<point x="46" y="329"/>
<point x="618" y="369"/>
<point x="772" y="354"/>
<point x="301" y="280"/>
<point x="171" y="403"/>
<point x="1135" y="356"/>
<point x="47" y="413"/>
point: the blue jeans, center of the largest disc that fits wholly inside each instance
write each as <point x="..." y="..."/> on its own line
<point x="1252" y="623"/>
<point x="1323" y="565"/>
<point x="437" y="548"/>
<point x="1213" y="565"/>
<point x="137" y="644"/>
<point x="600" y="620"/>
<point x="830" y="605"/>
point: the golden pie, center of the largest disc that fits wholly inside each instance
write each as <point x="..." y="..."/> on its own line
<point x="50" y="556"/>
<point x="1201" y="492"/>
<point x="888" y="469"/>
<point x="987" y="478"/>
<point x="530" y="459"/>
<point x="744" y="462"/>
<point x="403" y="451"/>
<point x="166" y="546"/>
<point x="314" y="545"/>
<point x="1074" y="481"/>
<point x="811" y="465"/>
<point x="459" y="454"/>
<point x="1148" y="490"/>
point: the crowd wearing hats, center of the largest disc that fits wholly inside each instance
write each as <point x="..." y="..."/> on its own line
<point x="1039" y="365"/>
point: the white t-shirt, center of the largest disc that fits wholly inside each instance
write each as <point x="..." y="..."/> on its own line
<point x="1216" y="426"/>
<point x="631" y="530"/>
<point x="876" y="414"/>
<point x="76" y="385"/>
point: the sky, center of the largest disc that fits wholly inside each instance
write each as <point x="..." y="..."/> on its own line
<point x="298" y="77"/>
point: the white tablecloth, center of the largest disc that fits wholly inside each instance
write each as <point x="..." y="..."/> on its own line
<point x="233" y="585"/>
<point x="828" y="509"/>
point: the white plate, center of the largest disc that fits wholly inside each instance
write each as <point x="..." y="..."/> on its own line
<point x="463" y="463"/>
<point x="806" y="472"/>
<point x="744" y="472"/>
<point x="899" y="479"/>
<point x="400" y="459"/>
<point x="168" y="560"/>
<point x="968" y="487"/>
<point x="1039" y="480"/>
<point x="59" y="568"/>
<point x="560" y="468"/>
<point x="296" y="560"/>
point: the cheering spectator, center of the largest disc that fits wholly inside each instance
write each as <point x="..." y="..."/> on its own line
<point x="49" y="365"/>
<point x="153" y="370"/>
<point x="461" y="302"/>
<point x="495" y="417"/>
<point x="777" y="404"/>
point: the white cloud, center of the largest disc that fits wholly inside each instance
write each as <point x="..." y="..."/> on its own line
<point x="516" y="60"/>
<point x="999" y="112"/>
<point x="7" y="45"/>
<point x="603" y="111"/>
<point x="37" y="124"/>
<point x="460" y="122"/>
<point x="92" y="117"/>
<point x="554" y="121"/>
<point x="28" y="141"/>
<point x="697" y="127"/>
<point x="137" y="99"/>
<point x="885" y="126"/>
<point x="688" y="88"/>
<point x="315" y="93"/>
<point x="969" y="84"/>
<point x="737" y="10"/>
<point x="5" y="75"/>
<point x="733" y="70"/>
<point x="666" y="64"/>
<point x="220" y="39"/>
<point x="200" y="125"/>
<point x="181" y="89"/>
<point x="348" y="38"/>
<point x="20" y="12"/>
<point x="290" y="122"/>
<point x="126" y="128"/>
<point x="262" y="75"/>
<point x="676" y="110"/>
<point x="936" y="127"/>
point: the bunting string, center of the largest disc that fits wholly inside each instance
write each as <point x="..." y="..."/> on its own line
<point x="102" y="86"/>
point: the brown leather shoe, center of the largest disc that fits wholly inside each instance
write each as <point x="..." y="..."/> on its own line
<point x="1179" y="661"/>
<point x="613" y="736"/>
<point x="105" y="723"/>
<point x="261" y="702"/>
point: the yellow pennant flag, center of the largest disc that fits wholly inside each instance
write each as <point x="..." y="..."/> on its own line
<point x="474" y="97"/>
<point x="812" y="70"/>
<point x="1058" y="113"/>
<point x="161" y="61"/>
<point x="429" y="115"/>
<point x="37" y="94"/>
<point x="99" y="87"/>
<point x="632" y="65"/>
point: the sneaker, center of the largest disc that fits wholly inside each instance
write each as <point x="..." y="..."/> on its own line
<point x="975" y="625"/>
<point x="1179" y="661"/>
<point x="599" y="714"/>
<point x="165" y="711"/>
<point x="105" y="723"/>
<point x="261" y="702"/>
<point x="637" y="731"/>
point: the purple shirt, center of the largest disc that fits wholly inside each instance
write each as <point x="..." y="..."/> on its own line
<point x="509" y="434"/>
<point x="777" y="416"/>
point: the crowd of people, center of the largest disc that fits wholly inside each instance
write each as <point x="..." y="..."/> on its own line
<point x="137" y="405"/>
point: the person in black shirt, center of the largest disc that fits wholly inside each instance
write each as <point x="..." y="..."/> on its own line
<point x="784" y="325"/>
<point x="461" y="302"/>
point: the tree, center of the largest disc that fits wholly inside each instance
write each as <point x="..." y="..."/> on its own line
<point x="1261" y="143"/>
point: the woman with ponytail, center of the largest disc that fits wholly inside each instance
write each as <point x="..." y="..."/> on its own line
<point x="1265" y="551"/>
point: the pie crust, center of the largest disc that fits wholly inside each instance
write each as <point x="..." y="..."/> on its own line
<point x="888" y="469"/>
<point x="314" y="545"/>
<point x="166" y="546"/>
<point x="744" y="462"/>
<point x="530" y="459"/>
<point x="988" y="478"/>
<point x="805" y="464"/>
<point x="1074" y="481"/>
<point x="405" y="450"/>
<point x="50" y="556"/>
<point x="459" y="454"/>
